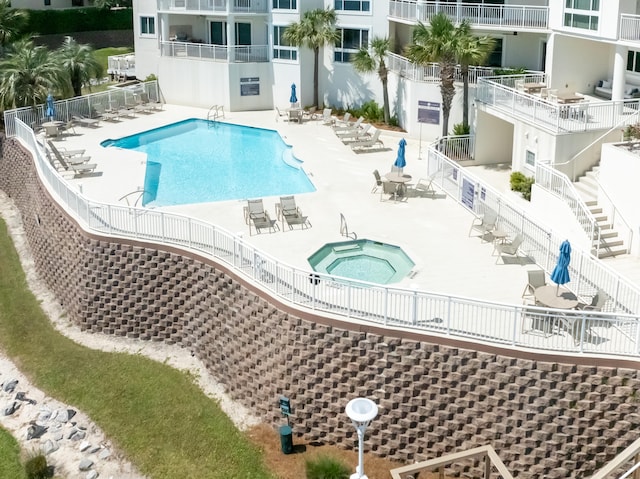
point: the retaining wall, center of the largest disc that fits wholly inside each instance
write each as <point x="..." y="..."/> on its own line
<point x="435" y="396"/>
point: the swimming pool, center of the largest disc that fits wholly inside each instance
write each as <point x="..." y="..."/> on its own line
<point x="364" y="260"/>
<point x="197" y="161"/>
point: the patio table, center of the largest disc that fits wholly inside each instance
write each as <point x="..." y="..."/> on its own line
<point x="553" y="297"/>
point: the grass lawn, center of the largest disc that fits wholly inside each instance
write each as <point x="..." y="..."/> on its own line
<point x="103" y="53"/>
<point x="154" y="414"/>
<point x="10" y="465"/>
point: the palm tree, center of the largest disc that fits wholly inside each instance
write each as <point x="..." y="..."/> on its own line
<point x="11" y="22"/>
<point x="366" y="62"/>
<point x="315" y="30"/>
<point x="79" y="63"/>
<point x="437" y="43"/>
<point x="472" y="50"/>
<point x="27" y="75"/>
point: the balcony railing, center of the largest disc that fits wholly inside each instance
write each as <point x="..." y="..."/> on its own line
<point x="630" y="27"/>
<point x="512" y="17"/>
<point x="219" y="53"/>
<point x="431" y="73"/>
<point x="440" y="314"/>
<point x="500" y="93"/>
<point x="219" y="6"/>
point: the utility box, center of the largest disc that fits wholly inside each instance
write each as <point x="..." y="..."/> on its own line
<point x="286" y="439"/>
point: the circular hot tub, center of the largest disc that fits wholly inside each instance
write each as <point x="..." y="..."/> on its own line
<point x="364" y="260"/>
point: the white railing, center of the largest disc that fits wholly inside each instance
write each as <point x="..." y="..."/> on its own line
<point x="220" y="53"/>
<point x="438" y="314"/>
<point x="541" y="244"/>
<point x="512" y="17"/>
<point x="500" y="93"/>
<point x="458" y="148"/>
<point x="431" y="73"/>
<point x="618" y="221"/>
<point x="80" y="106"/>
<point x="561" y="186"/>
<point x="122" y="65"/>
<point x="220" y="6"/>
<point x="630" y="27"/>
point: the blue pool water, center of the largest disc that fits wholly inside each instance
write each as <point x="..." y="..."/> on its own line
<point x="197" y="161"/>
<point x="364" y="260"/>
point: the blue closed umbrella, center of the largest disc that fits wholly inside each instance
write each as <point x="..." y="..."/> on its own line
<point x="400" y="160"/>
<point x="560" y="274"/>
<point x="293" y="99"/>
<point x="51" y="108"/>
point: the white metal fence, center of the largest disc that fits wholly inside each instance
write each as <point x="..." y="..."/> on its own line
<point x="501" y="94"/>
<point x="541" y="244"/>
<point x="496" y="16"/>
<point x="515" y="326"/>
<point x="80" y="106"/>
<point x="560" y="185"/>
<point x="220" y="53"/>
<point x="431" y="73"/>
<point x="222" y="6"/>
<point x="630" y="27"/>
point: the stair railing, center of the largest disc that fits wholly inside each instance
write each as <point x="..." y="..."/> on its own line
<point x="614" y="213"/>
<point x="559" y="184"/>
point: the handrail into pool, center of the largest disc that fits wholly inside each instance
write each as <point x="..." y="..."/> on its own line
<point x="512" y="326"/>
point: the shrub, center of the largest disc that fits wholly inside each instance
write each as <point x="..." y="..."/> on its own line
<point x="510" y="71"/>
<point x="521" y="183"/>
<point x="48" y="22"/>
<point x="370" y="110"/>
<point x="632" y="132"/>
<point x="36" y="467"/>
<point x="326" y="468"/>
<point x="460" y="129"/>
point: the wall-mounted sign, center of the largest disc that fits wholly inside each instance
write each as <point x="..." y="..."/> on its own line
<point x="250" y="86"/>
<point x="428" y="112"/>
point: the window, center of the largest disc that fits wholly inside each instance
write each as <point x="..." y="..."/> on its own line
<point x="352" y="5"/>
<point x="47" y="3"/>
<point x="495" y="57"/>
<point x="530" y="159"/>
<point x="285" y="4"/>
<point x="282" y="49"/>
<point x="583" y="14"/>
<point x="350" y="41"/>
<point x="633" y="61"/>
<point x="147" y="25"/>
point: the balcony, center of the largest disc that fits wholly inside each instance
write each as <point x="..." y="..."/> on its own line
<point x="208" y="6"/>
<point x="218" y="53"/>
<point x="507" y="17"/>
<point x="630" y="28"/>
<point x="431" y="73"/>
<point x="500" y="93"/>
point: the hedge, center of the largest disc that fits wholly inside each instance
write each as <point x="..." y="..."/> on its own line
<point x="48" y="22"/>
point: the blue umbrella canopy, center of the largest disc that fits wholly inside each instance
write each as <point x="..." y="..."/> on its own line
<point x="51" y="108"/>
<point x="293" y="98"/>
<point x="401" y="162"/>
<point x="560" y="274"/>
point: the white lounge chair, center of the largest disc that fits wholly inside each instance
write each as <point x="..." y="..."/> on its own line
<point x="355" y="134"/>
<point x="287" y="211"/>
<point x="342" y="123"/>
<point x="350" y="125"/>
<point x="327" y="119"/>
<point x="84" y="121"/>
<point x="78" y="169"/>
<point x="370" y="144"/>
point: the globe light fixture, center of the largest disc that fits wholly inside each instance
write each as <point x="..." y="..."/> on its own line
<point x="361" y="411"/>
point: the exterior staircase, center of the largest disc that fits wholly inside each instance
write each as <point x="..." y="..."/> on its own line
<point x="610" y="242"/>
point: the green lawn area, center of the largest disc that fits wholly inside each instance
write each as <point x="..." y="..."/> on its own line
<point x="156" y="415"/>
<point x="10" y="465"/>
<point x="103" y="53"/>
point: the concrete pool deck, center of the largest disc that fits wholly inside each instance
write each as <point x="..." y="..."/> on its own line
<point x="433" y="231"/>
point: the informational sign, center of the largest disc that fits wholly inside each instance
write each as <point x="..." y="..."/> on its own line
<point x="250" y="86"/>
<point x="428" y="112"/>
<point x="468" y="193"/>
<point x="285" y="406"/>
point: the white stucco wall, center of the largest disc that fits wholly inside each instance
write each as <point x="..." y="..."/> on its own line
<point x="622" y="189"/>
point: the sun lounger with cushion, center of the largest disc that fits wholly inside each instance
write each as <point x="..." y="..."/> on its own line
<point x="355" y="134"/>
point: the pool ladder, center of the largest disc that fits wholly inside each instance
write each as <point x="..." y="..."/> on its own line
<point x="215" y="112"/>
<point x="344" y="229"/>
<point x="128" y="196"/>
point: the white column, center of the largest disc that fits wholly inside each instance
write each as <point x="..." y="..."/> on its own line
<point x="231" y="38"/>
<point x="619" y="72"/>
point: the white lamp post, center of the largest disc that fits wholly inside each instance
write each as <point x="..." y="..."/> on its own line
<point x="361" y="411"/>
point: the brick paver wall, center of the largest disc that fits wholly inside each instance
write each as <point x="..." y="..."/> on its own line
<point x="544" y="418"/>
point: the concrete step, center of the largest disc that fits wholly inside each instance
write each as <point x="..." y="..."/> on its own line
<point x="600" y="218"/>
<point x="608" y="234"/>
<point x="588" y="194"/>
<point x="610" y="252"/>
<point x="594" y="210"/>
<point x="590" y="181"/>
